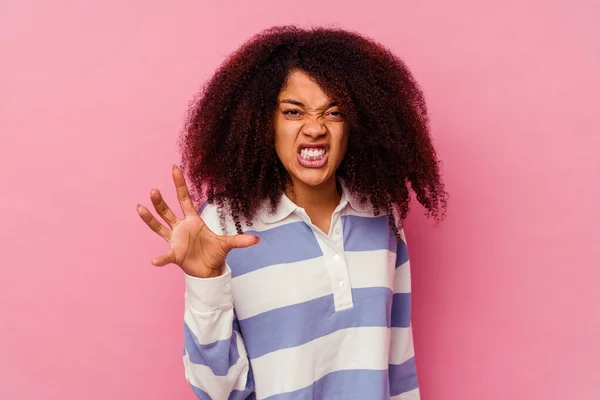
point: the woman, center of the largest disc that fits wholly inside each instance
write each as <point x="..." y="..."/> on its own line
<point x="296" y="268"/>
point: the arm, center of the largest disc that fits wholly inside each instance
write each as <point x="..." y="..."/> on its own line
<point x="215" y="360"/>
<point x="214" y="357"/>
<point x="402" y="369"/>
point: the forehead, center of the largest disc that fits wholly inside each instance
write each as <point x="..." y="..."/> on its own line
<point x="303" y="87"/>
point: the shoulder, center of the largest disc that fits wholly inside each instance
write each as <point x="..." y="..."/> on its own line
<point x="218" y="220"/>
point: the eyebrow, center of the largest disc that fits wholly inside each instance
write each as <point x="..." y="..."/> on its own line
<point x="299" y="103"/>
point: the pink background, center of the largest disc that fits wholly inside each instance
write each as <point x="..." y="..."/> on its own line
<point x="92" y="98"/>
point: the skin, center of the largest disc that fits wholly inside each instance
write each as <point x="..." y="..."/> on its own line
<point x="314" y="121"/>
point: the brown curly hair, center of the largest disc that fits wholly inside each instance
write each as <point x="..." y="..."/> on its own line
<point x="227" y="145"/>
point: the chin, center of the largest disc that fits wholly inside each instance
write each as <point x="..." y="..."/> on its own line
<point x="313" y="178"/>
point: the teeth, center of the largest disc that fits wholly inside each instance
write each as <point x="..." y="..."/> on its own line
<point x="312" y="153"/>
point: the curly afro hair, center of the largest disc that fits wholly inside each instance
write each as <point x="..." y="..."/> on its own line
<point x="227" y="145"/>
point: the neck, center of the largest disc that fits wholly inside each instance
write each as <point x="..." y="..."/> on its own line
<point x="323" y="198"/>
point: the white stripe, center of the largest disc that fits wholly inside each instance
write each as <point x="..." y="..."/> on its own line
<point x="298" y="367"/>
<point x="279" y="286"/>
<point x="210" y="327"/>
<point x="410" y="395"/>
<point x="219" y="387"/>
<point x="370" y="268"/>
<point x="211" y="218"/>
<point x="401" y="346"/>
<point x="293" y="283"/>
<point x="402" y="278"/>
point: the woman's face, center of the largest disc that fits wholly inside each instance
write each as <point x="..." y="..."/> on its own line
<point x="310" y="133"/>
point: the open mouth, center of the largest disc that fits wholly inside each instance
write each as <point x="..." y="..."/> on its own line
<point x="313" y="156"/>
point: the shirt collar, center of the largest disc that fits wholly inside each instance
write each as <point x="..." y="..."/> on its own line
<point x="287" y="206"/>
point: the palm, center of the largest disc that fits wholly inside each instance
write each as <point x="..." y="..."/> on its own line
<point x="194" y="247"/>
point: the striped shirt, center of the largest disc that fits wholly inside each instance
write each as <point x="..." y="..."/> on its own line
<point x="304" y="314"/>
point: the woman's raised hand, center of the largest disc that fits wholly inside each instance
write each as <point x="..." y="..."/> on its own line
<point x="194" y="247"/>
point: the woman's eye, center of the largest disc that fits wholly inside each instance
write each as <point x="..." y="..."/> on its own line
<point x="297" y="113"/>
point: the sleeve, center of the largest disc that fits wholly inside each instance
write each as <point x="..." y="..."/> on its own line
<point x="402" y="369"/>
<point x="214" y="356"/>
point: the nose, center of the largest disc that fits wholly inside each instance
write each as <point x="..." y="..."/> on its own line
<point x="314" y="129"/>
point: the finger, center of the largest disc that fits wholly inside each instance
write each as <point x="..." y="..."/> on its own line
<point x="183" y="193"/>
<point x="239" y="241"/>
<point x="153" y="223"/>
<point x="164" y="259"/>
<point x="162" y="208"/>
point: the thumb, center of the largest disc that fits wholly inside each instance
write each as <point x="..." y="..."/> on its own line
<point x="240" y="241"/>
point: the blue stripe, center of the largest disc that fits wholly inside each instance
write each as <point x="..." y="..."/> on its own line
<point x="235" y="395"/>
<point x="403" y="377"/>
<point x="401" y="310"/>
<point x="219" y="356"/>
<point x="297" y="324"/>
<point x="288" y="243"/>
<point x="401" y="253"/>
<point x="246" y="394"/>
<point x="364" y="234"/>
<point x="201" y="394"/>
<point x="236" y="323"/>
<point x="353" y="384"/>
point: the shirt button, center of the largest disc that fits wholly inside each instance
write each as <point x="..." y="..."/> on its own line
<point x="337" y="231"/>
<point x="336" y="257"/>
<point x="341" y="283"/>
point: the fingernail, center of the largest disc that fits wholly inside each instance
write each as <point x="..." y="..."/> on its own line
<point x="175" y="166"/>
<point x="257" y="240"/>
